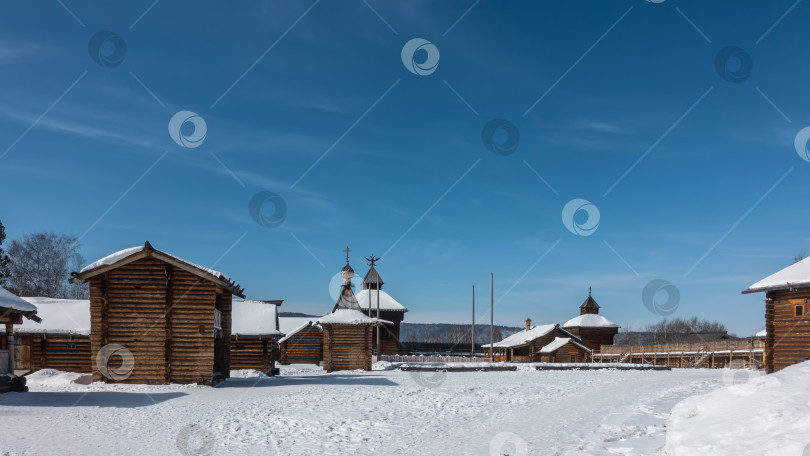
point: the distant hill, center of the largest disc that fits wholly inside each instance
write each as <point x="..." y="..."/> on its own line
<point x="451" y="333"/>
<point x="296" y="314"/>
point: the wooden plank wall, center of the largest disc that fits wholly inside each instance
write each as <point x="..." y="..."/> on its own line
<point x="347" y="347"/>
<point x="253" y="352"/>
<point x="53" y="351"/>
<point x="303" y="347"/>
<point x="222" y="343"/>
<point x="162" y="314"/>
<point x="595" y="338"/>
<point x="788" y="339"/>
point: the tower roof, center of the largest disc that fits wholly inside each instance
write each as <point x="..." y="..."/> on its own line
<point x="347" y="299"/>
<point x="589" y="303"/>
<point x="372" y="279"/>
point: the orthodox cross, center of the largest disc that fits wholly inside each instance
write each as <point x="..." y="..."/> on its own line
<point x="347" y="254"/>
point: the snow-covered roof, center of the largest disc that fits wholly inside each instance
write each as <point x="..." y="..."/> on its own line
<point x="254" y="318"/>
<point x="523" y="337"/>
<point x="10" y="301"/>
<point x="349" y="317"/>
<point x="122" y="255"/>
<point x="68" y="316"/>
<point x="762" y="333"/>
<point x="304" y="323"/>
<point x="590" y="321"/>
<point x="387" y="303"/>
<point x="558" y="343"/>
<point x="797" y="275"/>
<point x="288" y="325"/>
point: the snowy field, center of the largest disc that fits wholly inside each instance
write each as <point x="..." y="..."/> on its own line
<point x="382" y="412"/>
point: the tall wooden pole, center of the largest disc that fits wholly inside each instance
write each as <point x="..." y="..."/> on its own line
<point x="379" y="348"/>
<point x="491" y="317"/>
<point x="472" y="328"/>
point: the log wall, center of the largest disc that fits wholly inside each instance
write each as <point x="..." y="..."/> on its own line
<point x="788" y="338"/>
<point x="594" y="338"/>
<point x="303" y="347"/>
<point x="253" y="352"/>
<point x="53" y="351"/>
<point x="347" y="347"/>
<point x="163" y="315"/>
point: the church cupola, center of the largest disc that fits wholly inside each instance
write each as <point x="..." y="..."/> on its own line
<point x="589" y="306"/>
<point x="347" y="299"/>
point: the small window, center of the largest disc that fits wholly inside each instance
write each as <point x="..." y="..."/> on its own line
<point x="799" y="310"/>
<point x="71" y="346"/>
<point x="573" y="358"/>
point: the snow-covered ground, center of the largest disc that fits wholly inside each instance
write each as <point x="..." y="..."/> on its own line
<point x="755" y="415"/>
<point x="306" y="411"/>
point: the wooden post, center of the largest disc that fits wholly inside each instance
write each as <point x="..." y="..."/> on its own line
<point x="472" y="328"/>
<point x="10" y="346"/>
<point x="491" y="316"/>
<point x="379" y="348"/>
<point x="167" y="347"/>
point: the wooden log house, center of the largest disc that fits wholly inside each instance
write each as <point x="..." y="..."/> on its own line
<point x="526" y="346"/>
<point x="255" y="334"/>
<point x="158" y="319"/>
<point x="61" y="341"/>
<point x="787" y="315"/>
<point x="12" y="311"/>
<point x="302" y="342"/>
<point x="347" y="331"/>
<point x="592" y="329"/>
<point x="565" y="350"/>
<point x="369" y="297"/>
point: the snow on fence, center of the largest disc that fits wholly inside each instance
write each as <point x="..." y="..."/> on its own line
<point x="431" y="359"/>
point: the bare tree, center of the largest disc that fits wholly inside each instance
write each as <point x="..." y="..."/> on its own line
<point x="677" y="329"/>
<point x="41" y="264"/>
<point x="799" y="256"/>
<point x="459" y="334"/>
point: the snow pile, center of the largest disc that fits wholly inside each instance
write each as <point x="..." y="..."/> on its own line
<point x="797" y="274"/>
<point x="590" y="321"/>
<point x="767" y="415"/>
<point x="254" y="318"/>
<point x="386" y="301"/>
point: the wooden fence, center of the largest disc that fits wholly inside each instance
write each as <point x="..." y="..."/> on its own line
<point x="431" y="359"/>
<point x="740" y="353"/>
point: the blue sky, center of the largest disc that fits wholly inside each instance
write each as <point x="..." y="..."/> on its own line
<point x="715" y="203"/>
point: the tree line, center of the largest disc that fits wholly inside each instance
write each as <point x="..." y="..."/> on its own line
<point x="39" y="264"/>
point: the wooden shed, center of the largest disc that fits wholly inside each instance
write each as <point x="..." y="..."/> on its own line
<point x="369" y="297"/>
<point x="524" y="346"/>
<point x="302" y="342"/>
<point x="347" y="331"/>
<point x="564" y="350"/>
<point x="255" y="334"/>
<point x="158" y="319"/>
<point x="592" y="329"/>
<point x="12" y="311"/>
<point x="787" y="315"/>
<point x="61" y="341"/>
